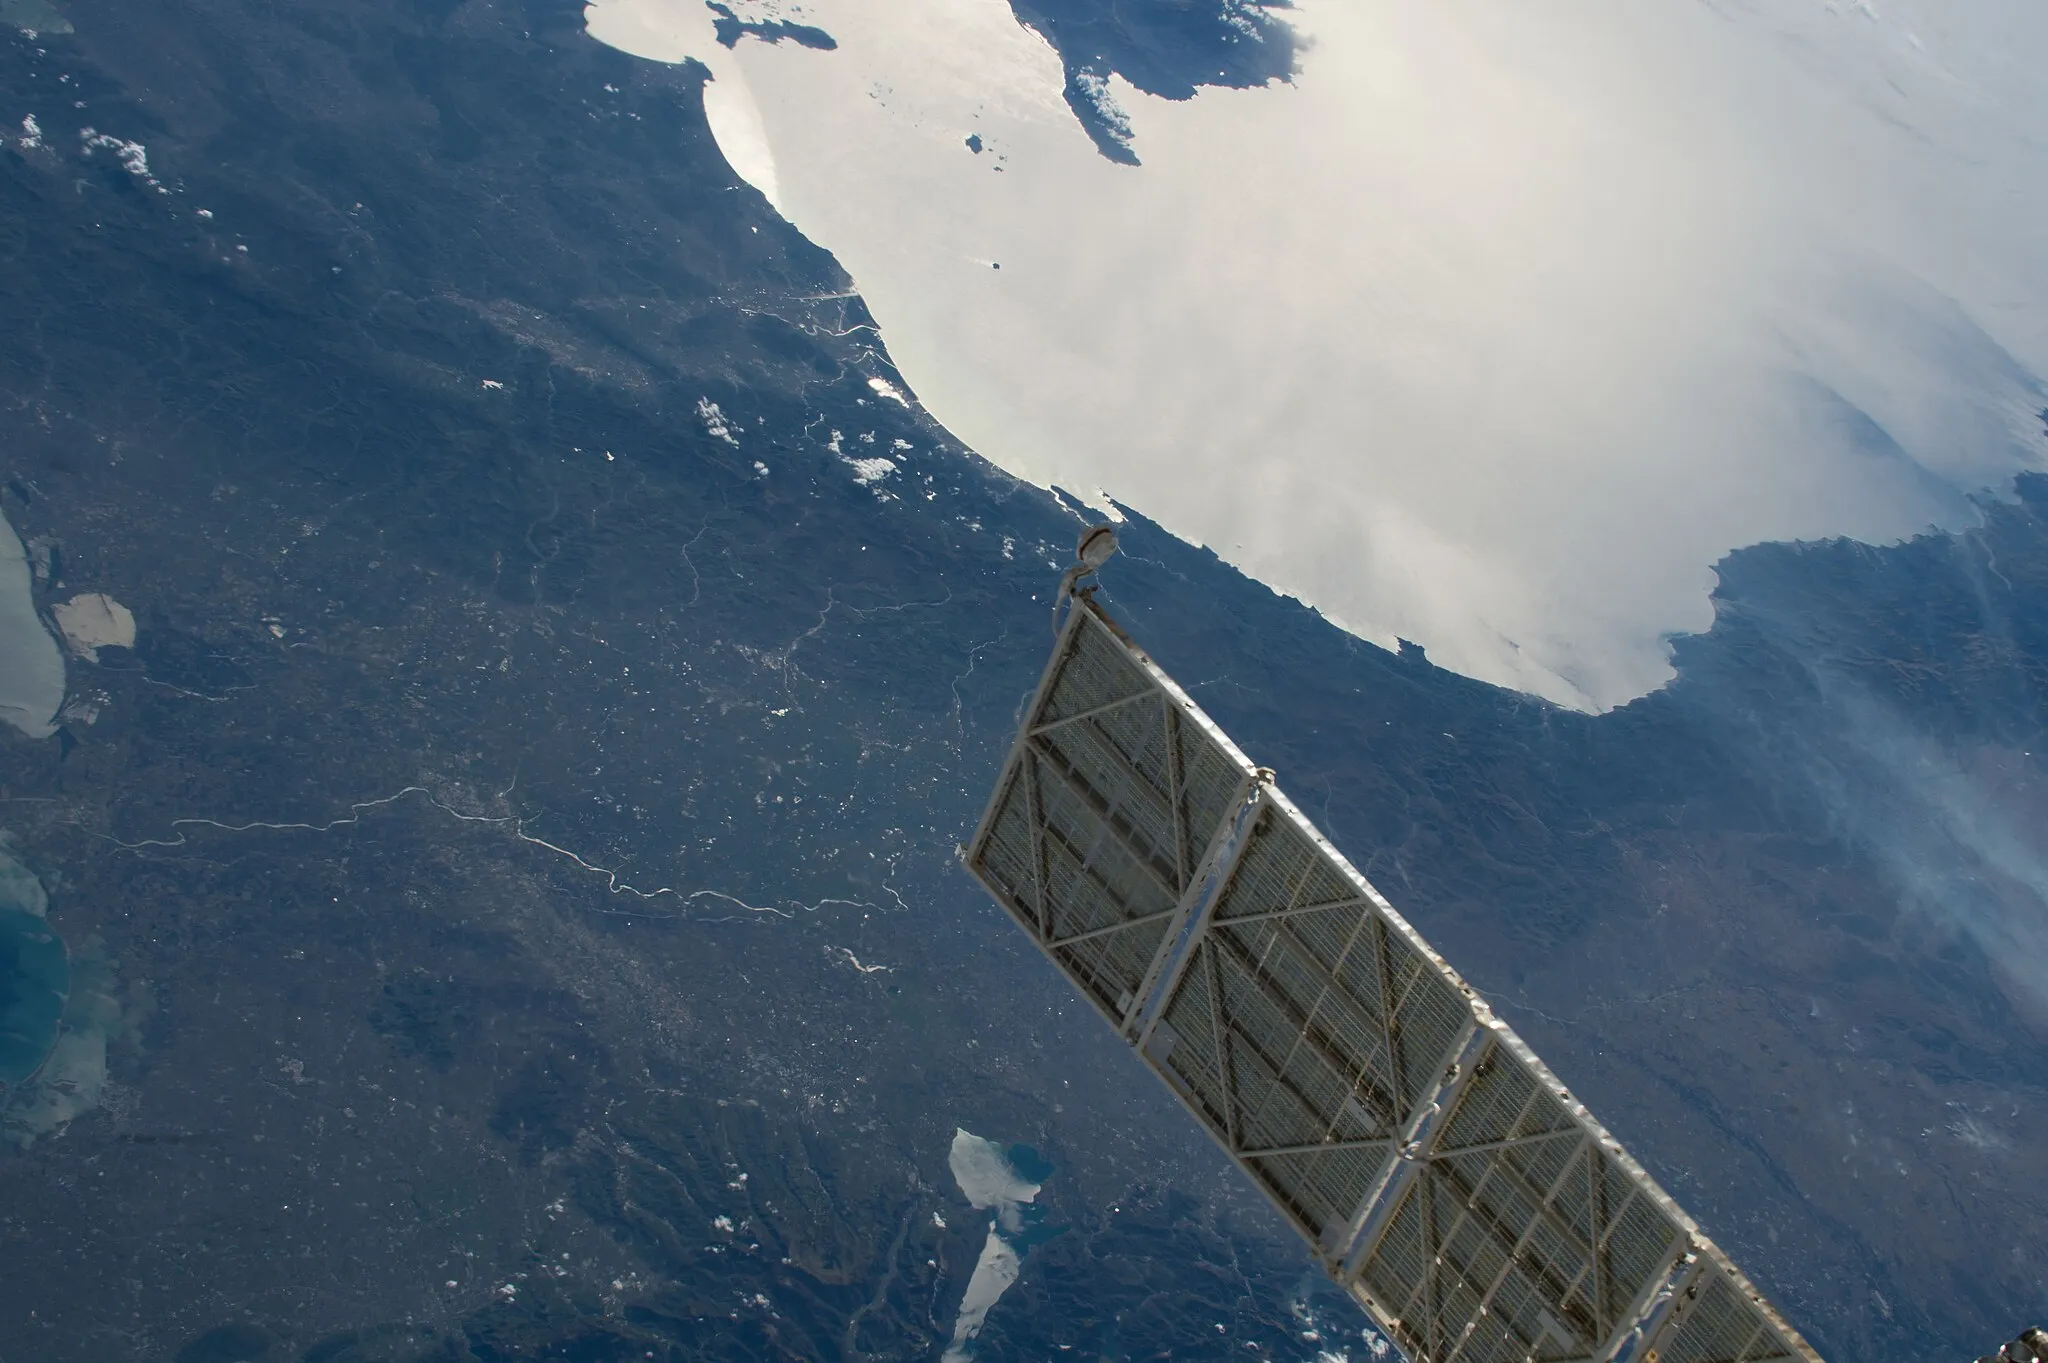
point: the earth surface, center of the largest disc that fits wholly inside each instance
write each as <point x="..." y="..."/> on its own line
<point x="489" y="892"/>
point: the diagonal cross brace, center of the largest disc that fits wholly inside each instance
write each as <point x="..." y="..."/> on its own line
<point x="1197" y="906"/>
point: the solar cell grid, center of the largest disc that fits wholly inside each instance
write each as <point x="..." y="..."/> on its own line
<point x="1439" y="1170"/>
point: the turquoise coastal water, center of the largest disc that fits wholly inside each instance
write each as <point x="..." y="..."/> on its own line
<point x="35" y="975"/>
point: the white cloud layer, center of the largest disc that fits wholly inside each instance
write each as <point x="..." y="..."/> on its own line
<point x="1494" y="330"/>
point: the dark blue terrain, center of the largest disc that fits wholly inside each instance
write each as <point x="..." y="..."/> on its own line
<point x="537" y="736"/>
<point x="1169" y="48"/>
<point x="730" y="28"/>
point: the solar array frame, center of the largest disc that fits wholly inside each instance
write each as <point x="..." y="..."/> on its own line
<point x="1443" y="1175"/>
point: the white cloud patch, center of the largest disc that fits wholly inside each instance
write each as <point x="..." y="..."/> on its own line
<point x="715" y="424"/>
<point x="867" y="472"/>
<point x="1495" y="329"/>
<point x="134" y="157"/>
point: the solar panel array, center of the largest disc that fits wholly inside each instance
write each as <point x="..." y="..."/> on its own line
<point x="1443" y="1175"/>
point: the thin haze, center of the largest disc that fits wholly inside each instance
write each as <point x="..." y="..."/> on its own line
<point x="1494" y="330"/>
